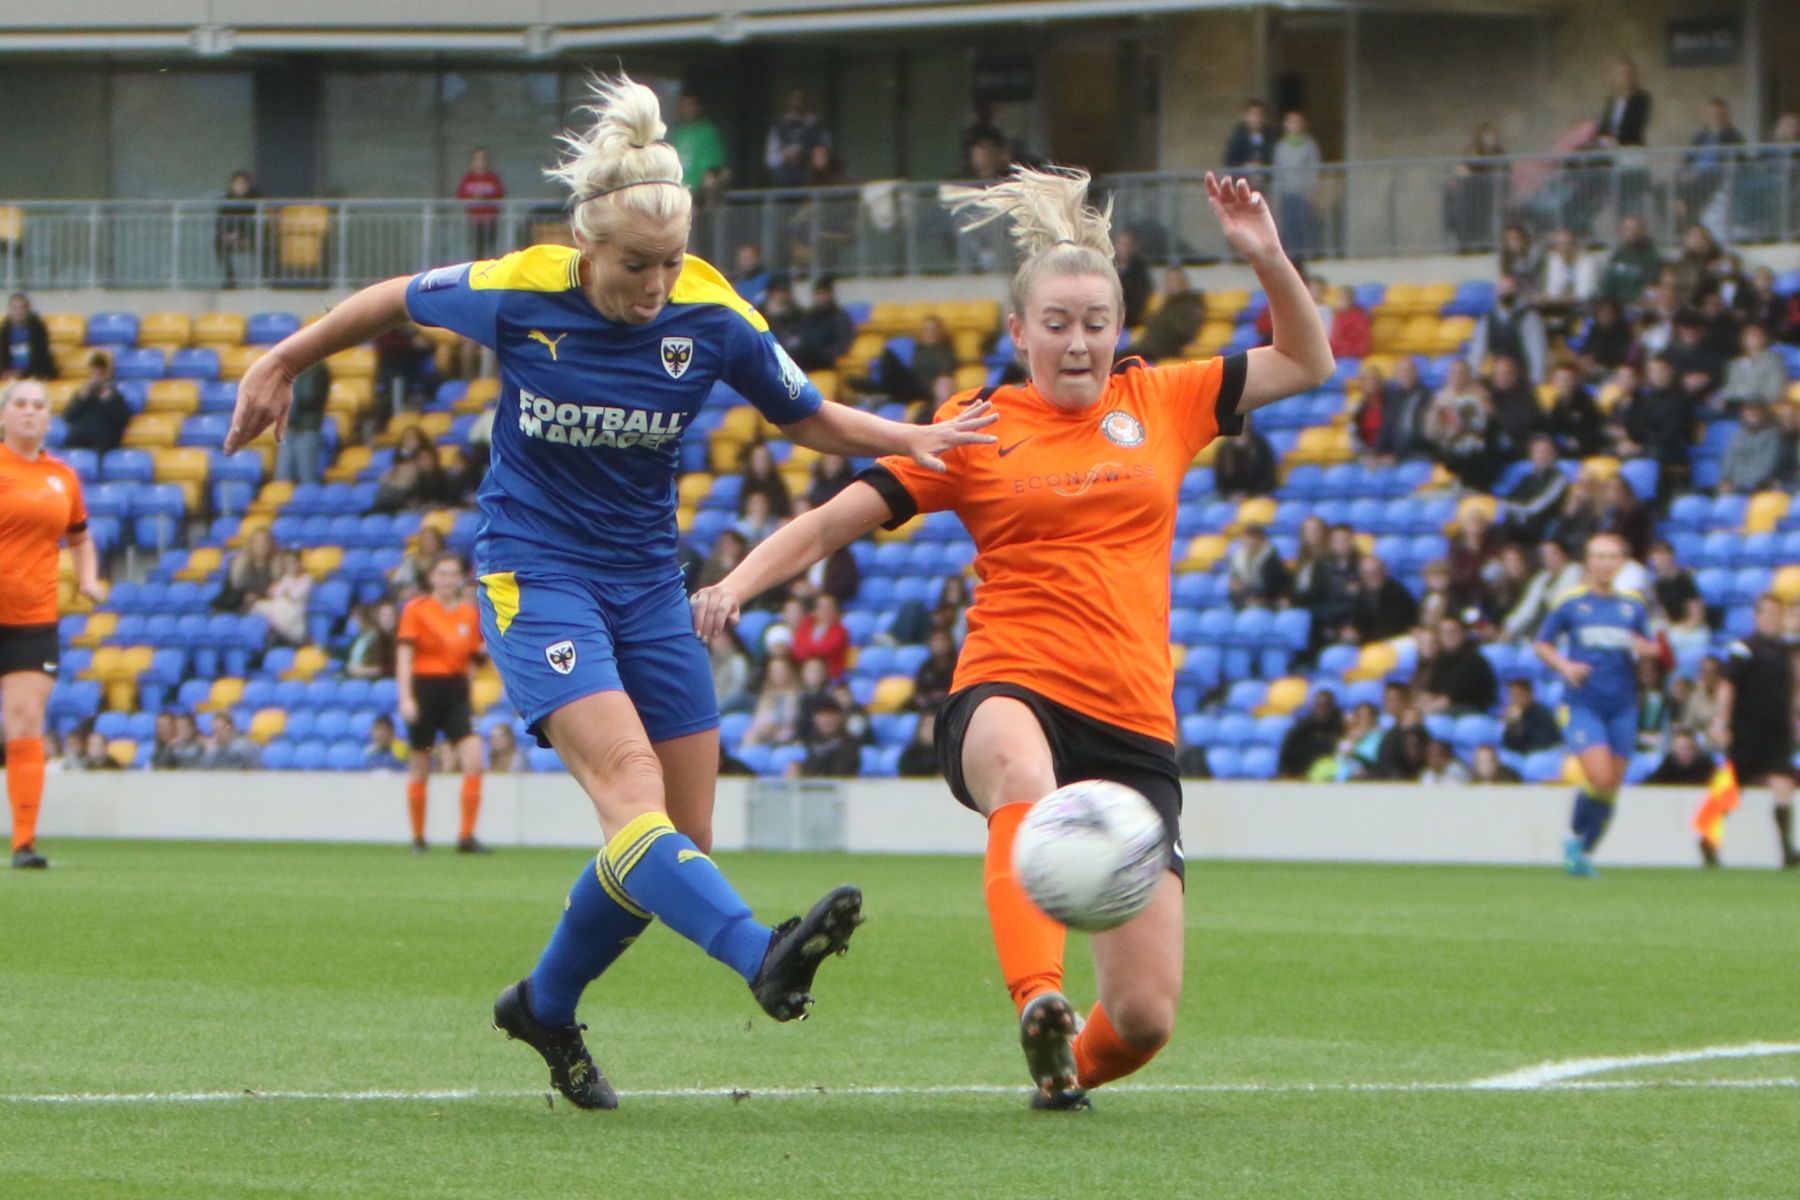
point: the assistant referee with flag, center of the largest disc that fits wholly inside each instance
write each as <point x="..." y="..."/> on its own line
<point x="1754" y="720"/>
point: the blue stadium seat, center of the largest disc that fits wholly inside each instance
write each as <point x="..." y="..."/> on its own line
<point x="1246" y="695"/>
<point x="1304" y="481"/>
<point x="194" y="362"/>
<point x="310" y="755"/>
<point x="1704" y="472"/>
<point x="1215" y="626"/>
<point x="139" y="362"/>
<point x="1643" y="474"/>
<point x="907" y="659"/>
<point x="1197" y="729"/>
<point x="1440" y="725"/>
<point x="1271" y="729"/>
<point x="751" y="626"/>
<point x="1473" y="298"/>
<point x="1748" y="583"/>
<point x="1224" y="761"/>
<point x="232" y="497"/>
<point x="1410" y="476"/>
<point x="1337" y="659"/>
<point x="331" y="724"/>
<point x="871" y="761"/>
<point x="732" y="727"/>
<point x="1727" y="512"/>
<point x="218" y="395"/>
<point x="1362" y="691"/>
<point x="781" y="757"/>
<point x="1292" y="628"/>
<point x="1501" y="656"/>
<point x="267" y="328"/>
<point x="127" y="465"/>
<point x="1545" y="766"/>
<point x="160" y="629"/>
<point x="1339" y="480"/>
<point x="112" y="329"/>
<point x="1475" y="729"/>
<point x="278" y="755"/>
<point x="382" y="695"/>
<point x="109" y="500"/>
<point x="300" y="724"/>
<point x="1257" y="762"/>
<point x="1204" y="666"/>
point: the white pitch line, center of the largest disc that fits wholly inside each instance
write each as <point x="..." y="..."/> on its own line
<point x="1577" y="1068"/>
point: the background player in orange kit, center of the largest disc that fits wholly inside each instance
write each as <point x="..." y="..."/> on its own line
<point x="1065" y="674"/>
<point x="440" y="635"/>
<point x="40" y="507"/>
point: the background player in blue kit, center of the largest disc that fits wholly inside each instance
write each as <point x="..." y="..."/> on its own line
<point x="1603" y="633"/>
<point x="606" y="351"/>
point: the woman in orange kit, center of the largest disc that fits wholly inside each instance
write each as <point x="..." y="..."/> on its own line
<point x="439" y="638"/>
<point x="40" y="508"/>
<point x="1065" y="674"/>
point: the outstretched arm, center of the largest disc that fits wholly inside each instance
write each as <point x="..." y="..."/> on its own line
<point x="799" y="544"/>
<point x="1300" y="357"/>
<point x="853" y="433"/>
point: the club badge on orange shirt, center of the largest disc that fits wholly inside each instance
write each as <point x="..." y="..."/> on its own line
<point x="1122" y="429"/>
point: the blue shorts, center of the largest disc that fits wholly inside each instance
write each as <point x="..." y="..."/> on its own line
<point x="555" y="638"/>
<point x="1588" y="727"/>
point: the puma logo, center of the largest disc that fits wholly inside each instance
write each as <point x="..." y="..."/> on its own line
<point x="549" y="343"/>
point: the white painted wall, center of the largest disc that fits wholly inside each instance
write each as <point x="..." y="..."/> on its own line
<point x="1319" y="822"/>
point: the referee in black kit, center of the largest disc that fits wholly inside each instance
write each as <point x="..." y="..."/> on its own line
<point x="1754" y="720"/>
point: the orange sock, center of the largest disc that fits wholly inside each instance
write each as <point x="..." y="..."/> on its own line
<point x="24" y="787"/>
<point x="415" y="807"/>
<point x="1101" y="1055"/>
<point x="471" y="805"/>
<point x="1030" y="944"/>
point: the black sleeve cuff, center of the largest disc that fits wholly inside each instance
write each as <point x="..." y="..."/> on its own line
<point x="899" y="500"/>
<point x="78" y="527"/>
<point x="1231" y="390"/>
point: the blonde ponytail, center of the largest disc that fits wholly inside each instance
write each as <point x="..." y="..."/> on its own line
<point x="1050" y="220"/>
<point x="621" y="166"/>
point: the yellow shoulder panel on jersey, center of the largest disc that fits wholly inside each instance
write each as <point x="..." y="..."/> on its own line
<point x="1577" y="590"/>
<point x="533" y="269"/>
<point x="701" y="283"/>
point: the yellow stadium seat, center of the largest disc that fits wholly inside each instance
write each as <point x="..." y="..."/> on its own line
<point x="358" y="362"/>
<point x="219" y="329"/>
<point x="693" y="488"/>
<point x="967" y="344"/>
<point x="308" y="661"/>
<point x="740" y="421"/>
<point x="485" y="692"/>
<point x="828" y="383"/>
<point x="971" y="377"/>
<point x="165" y="328"/>
<point x="150" y="430"/>
<point x="134" y="661"/>
<point x="1608" y="397"/>
<point x="1203" y="551"/>
<point x="867" y="346"/>
<point x="1600" y="466"/>
<point x="1322" y="444"/>
<point x="300" y="237"/>
<point x="1793" y="391"/>
<point x="226" y="692"/>
<point x="892" y="694"/>
<point x="1365" y="542"/>
<point x="1224" y="304"/>
<point x="65" y="329"/>
<point x="1285" y="695"/>
<point x="1451" y="334"/>
<point x="235" y="360"/>
<point x="1418" y="335"/>
<point x="1177" y="656"/>
<point x="202" y="561"/>
<point x="1486" y="504"/>
<point x="975" y="316"/>
<point x="481" y="394"/>
<point x="122" y="751"/>
<point x="350" y="462"/>
<point x="435" y="424"/>
<point x="725" y="451"/>
<point x="397" y="424"/>
<point x="58" y="391"/>
<point x="99" y="627"/>
<point x="321" y="561"/>
<point x="104" y="665"/>
<point x="1400" y="299"/>
<point x="1572" y="773"/>
<point x="1257" y="510"/>
<point x="267" y="724"/>
<point x="71" y="361"/>
<point x="440" y="519"/>
<point x="684" y="519"/>
<point x="350" y="395"/>
<point x="178" y="396"/>
<point x="1786" y="585"/>
<point x="1374" y="661"/>
<point x="1208" y="453"/>
<point x="180" y="464"/>
<point x="1766" y="511"/>
<point x="250" y="524"/>
<point x="1433" y="296"/>
<point x="1212" y="337"/>
<point x="272" y="496"/>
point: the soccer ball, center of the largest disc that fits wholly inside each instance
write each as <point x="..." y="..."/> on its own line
<point x="1090" y="854"/>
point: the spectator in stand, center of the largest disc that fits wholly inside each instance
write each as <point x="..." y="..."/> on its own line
<point x="1471" y="195"/>
<point x="1535" y="502"/>
<point x="1365" y="423"/>
<point x="1522" y="258"/>
<point x="504" y="755"/>
<point x="1312" y="737"/>
<point x="1470" y="552"/>
<point x="831" y="474"/>
<point x="1702" y="174"/>
<point x="1456" y="427"/>
<point x="1607" y="341"/>
<point x="477" y="451"/>
<point x="1556" y="574"/>
<point x="1134" y="276"/>
<point x="27" y="342"/>
<point x="1684" y="765"/>
<point x="234" y="227"/>
<point x="1382" y="608"/>
<point x="1296" y="160"/>
<point x="297" y="455"/>
<point x="251" y="572"/>
<point x="749" y="277"/>
<point x="1506" y="583"/>
<point x="371" y="653"/>
<point x="1405" y="403"/>
<point x="411" y="575"/>
<point x="1251" y="144"/>
<point x="756" y="518"/>
<point x="97" y="413"/>
<point x="728" y="550"/>
<point x="228" y="750"/>
<point x="1176" y="322"/>
<point x="1694" y="265"/>
<point x="778" y="637"/>
<point x="94" y="754"/>
<point x="1357" y="750"/>
<point x="786" y="321"/>
<point x="379" y="753"/>
<point x="1623" y="514"/>
<point x="1653" y="707"/>
<point x="826" y="330"/>
<point x="1571" y="276"/>
<point x="856" y="718"/>
<point x="1754" y="455"/>
<point x="1332" y="586"/>
<point x="414" y="479"/>
<point x="930" y="376"/>
<point x="1513" y="328"/>
<point x="821" y="634"/>
<point x="697" y="142"/>
<point x="1255" y="575"/>
<point x="1656" y="421"/>
<point x="919" y="759"/>
<point x="763" y="477"/>
<point x="1633" y="266"/>
<point x="1755" y="302"/>
<point x="1245" y="464"/>
<point x="1461" y="679"/>
<point x="1527" y="724"/>
<point x="188" y="743"/>
<point x="1623" y="122"/>
<point x="1724" y="333"/>
<point x="1441" y="765"/>
<point x="1702" y="704"/>
<point x="284" y="605"/>
<point x="1515" y="414"/>
<point x="931" y="682"/>
<point x="981" y="128"/>
<point x="479" y="188"/>
<point x="1350" y="332"/>
<point x="791" y="139"/>
<point x="1410" y="752"/>
<point x="830" y="751"/>
<point x="815" y="690"/>
<point x="1573" y="423"/>
<point x="1436" y="600"/>
<point x="777" y="711"/>
<point x="177" y="745"/>
<point x="1757" y="374"/>
<point x="405" y="370"/>
<point x="730" y="672"/>
<point x="1486" y="767"/>
<point x="1672" y="586"/>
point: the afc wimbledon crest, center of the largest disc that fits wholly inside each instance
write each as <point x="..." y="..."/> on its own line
<point x="1121" y="428"/>
<point x="677" y="353"/>
<point x="561" y="656"/>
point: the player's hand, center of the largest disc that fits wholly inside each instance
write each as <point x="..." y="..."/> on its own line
<point x="1576" y="673"/>
<point x="409" y="709"/>
<point x="265" y="395"/>
<point x="1244" y="218"/>
<point x="961" y="430"/>
<point x="715" y="610"/>
<point x="93" y="589"/>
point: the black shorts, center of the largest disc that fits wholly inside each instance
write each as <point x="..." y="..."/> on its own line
<point x="1081" y="747"/>
<point x="29" y="648"/>
<point x="443" y="702"/>
<point x="1758" y="754"/>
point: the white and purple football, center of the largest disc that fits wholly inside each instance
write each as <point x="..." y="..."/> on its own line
<point x="1090" y="854"/>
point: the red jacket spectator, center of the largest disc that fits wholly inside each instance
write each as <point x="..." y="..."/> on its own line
<point x="1350" y="335"/>
<point x="480" y="183"/>
<point x="822" y="635"/>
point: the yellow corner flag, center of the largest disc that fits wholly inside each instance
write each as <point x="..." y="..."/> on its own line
<point x="1721" y="799"/>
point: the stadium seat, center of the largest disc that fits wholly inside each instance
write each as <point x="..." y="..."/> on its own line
<point x="140" y="362"/>
<point x="267" y="328"/>
<point x="112" y="329"/>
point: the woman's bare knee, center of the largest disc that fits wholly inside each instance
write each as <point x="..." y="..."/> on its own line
<point x="1145" y="1020"/>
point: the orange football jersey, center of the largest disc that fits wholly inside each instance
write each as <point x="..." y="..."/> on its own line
<point x="443" y="639"/>
<point x="40" y="504"/>
<point x="1073" y="515"/>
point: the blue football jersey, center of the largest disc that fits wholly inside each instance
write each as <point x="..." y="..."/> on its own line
<point x="1601" y="631"/>
<point x="591" y="412"/>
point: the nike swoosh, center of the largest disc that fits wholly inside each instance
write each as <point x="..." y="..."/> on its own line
<point x="1006" y="450"/>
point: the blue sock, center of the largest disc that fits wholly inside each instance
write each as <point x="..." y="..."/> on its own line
<point x="655" y="871"/>
<point x="1582" y="815"/>
<point x="1602" y="815"/>
<point x="593" y="932"/>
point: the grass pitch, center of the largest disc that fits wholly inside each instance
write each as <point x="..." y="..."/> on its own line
<point x="243" y="1020"/>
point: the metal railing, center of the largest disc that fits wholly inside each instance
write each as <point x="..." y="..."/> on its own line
<point x="1360" y="210"/>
